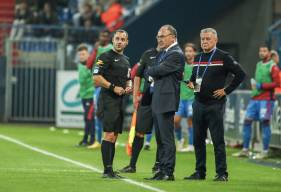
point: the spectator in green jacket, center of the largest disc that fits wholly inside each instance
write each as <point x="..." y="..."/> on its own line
<point x="86" y="94"/>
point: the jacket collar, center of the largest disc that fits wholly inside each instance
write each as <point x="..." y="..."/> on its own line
<point x="172" y="45"/>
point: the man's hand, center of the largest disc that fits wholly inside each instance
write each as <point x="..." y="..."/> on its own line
<point x="128" y="90"/>
<point x="190" y="85"/>
<point x="219" y="93"/>
<point x="256" y="86"/>
<point x="119" y="90"/>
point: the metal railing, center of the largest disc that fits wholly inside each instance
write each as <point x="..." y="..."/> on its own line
<point x="235" y="114"/>
<point x="71" y="36"/>
<point x="31" y="78"/>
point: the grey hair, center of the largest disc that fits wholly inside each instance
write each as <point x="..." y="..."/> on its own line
<point x="209" y="30"/>
<point x="171" y="29"/>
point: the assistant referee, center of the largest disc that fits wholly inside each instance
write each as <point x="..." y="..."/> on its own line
<point x="142" y="103"/>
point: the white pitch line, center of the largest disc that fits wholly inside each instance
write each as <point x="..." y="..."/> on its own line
<point x="94" y="169"/>
<point x="15" y="169"/>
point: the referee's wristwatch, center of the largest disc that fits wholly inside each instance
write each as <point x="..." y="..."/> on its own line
<point x="111" y="87"/>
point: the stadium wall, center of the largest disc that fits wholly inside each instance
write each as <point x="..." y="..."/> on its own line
<point x="187" y="16"/>
<point x="242" y="26"/>
<point x="245" y="27"/>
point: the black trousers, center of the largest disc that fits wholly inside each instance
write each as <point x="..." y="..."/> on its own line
<point x="164" y="133"/>
<point x="89" y="130"/>
<point x="204" y="117"/>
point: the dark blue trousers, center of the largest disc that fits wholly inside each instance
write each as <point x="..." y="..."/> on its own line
<point x="89" y="129"/>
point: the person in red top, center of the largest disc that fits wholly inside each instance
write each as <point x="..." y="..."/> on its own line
<point x="261" y="105"/>
<point x="112" y="17"/>
<point x="102" y="45"/>
<point x="275" y="58"/>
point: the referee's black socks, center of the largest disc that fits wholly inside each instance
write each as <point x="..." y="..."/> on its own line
<point x="112" y="154"/>
<point x="108" y="151"/>
<point x="136" y="148"/>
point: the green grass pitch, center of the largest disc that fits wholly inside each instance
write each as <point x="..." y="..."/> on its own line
<point x="24" y="169"/>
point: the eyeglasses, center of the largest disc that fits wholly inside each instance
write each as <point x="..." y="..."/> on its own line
<point x="162" y="36"/>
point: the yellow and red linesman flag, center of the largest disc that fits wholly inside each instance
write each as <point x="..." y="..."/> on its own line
<point x="131" y="134"/>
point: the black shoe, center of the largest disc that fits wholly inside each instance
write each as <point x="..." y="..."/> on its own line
<point x="146" y="147"/>
<point x="128" y="169"/>
<point x="112" y="175"/>
<point x="117" y="172"/>
<point x="156" y="176"/>
<point x="82" y="144"/>
<point x="223" y="177"/>
<point x="155" y="168"/>
<point x="91" y="142"/>
<point x="166" y="178"/>
<point x="195" y="176"/>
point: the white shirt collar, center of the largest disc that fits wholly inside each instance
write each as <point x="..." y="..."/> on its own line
<point x="171" y="46"/>
<point x="215" y="47"/>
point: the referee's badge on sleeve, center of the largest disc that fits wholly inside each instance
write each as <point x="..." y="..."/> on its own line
<point x="96" y="70"/>
<point x="99" y="62"/>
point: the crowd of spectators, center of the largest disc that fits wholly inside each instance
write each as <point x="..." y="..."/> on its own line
<point x="80" y="15"/>
<point x="75" y="21"/>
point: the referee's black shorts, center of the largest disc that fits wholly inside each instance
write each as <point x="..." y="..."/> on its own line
<point x="111" y="112"/>
<point x="144" y="122"/>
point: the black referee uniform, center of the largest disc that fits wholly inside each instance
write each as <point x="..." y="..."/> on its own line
<point x="212" y="68"/>
<point x="144" y="121"/>
<point x="115" y="68"/>
<point x="144" y="113"/>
